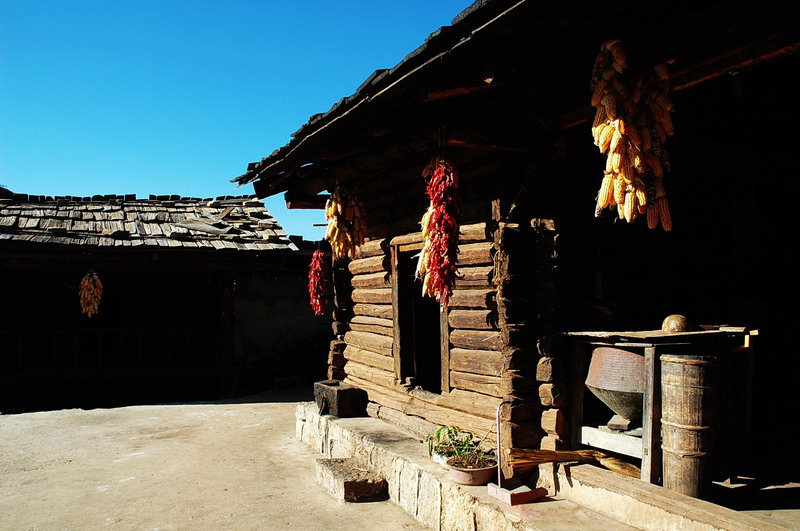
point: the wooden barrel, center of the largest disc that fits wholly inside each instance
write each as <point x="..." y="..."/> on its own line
<point x="687" y="420"/>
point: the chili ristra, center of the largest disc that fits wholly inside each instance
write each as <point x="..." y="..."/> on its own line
<point x="318" y="274"/>
<point x="437" y="265"/>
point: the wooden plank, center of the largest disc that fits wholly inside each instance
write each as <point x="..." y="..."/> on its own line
<point x="469" y="298"/>
<point x="577" y="375"/>
<point x="367" y="357"/>
<point x="475" y="253"/>
<point x="475" y="232"/>
<point x="486" y="362"/>
<point x="373" y="264"/>
<point x="411" y="246"/>
<point x="616" y="442"/>
<point x="384" y="311"/>
<point x="414" y="237"/>
<point x="380" y="330"/>
<point x="376" y="321"/>
<point x="371" y="280"/>
<point x="650" y="446"/>
<point x="371" y="248"/>
<point x="473" y="319"/>
<point x="474" y="277"/>
<point x="375" y="375"/>
<point x="476" y="339"/>
<point x="444" y="349"/>
<point x="397" y="335"/>
<point x="372" y="296"/>
<point x="368" y="341"/>
<point x="486" y="385"/>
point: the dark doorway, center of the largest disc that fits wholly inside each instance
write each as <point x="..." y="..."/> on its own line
<point x="419" y="319"/>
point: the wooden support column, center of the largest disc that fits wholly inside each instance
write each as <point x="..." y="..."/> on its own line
<point x="651" y="417"/>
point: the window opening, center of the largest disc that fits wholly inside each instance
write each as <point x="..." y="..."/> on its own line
<point x="419" y="320"/>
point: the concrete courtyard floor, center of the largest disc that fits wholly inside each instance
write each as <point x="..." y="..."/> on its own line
<point x="230" y="465"/>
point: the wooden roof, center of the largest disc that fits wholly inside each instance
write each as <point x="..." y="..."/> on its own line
<point x="506" y="77"/>
<point x="226" y="223"/>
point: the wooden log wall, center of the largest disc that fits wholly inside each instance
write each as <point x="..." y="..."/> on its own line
<point x="525" y="305"/>
<point x="492" y="355"/>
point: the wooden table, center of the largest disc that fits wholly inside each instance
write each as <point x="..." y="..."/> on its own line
<point x="653" y="343"/>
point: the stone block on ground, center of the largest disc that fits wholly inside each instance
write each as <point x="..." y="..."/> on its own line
<point x="348" y="483"/>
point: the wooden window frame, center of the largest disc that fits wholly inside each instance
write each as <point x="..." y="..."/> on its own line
<point x="401" y="370"/>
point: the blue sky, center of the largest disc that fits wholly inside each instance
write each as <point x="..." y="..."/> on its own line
<point x="178" y="96"/>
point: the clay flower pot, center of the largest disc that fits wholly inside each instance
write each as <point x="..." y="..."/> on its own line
<point x="471" y="476"/>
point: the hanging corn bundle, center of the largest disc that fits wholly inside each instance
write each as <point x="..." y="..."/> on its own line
<point x="318" y="275"/>
<point x="91" y="291"/>
<point x="632" y="122"/>
<point x="437" y="260"/>
<point x="346" y="229"/>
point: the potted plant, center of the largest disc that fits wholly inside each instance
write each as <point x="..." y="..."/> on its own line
<point x="462" y="455"/>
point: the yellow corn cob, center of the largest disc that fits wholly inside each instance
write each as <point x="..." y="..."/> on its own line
<point x="606" y="194"/>
<point x="604" y="141"/>
<point x="663" y="101"/>
<point x="664" y="214"/>
<point x="609" y="102"/>
<point x="632" y="132"/>
<point x="652" y="216"/>
<point x="617" y="53"/>
<point x="629" y="210"/>
<point x="614" y="158"/>
<point x="662" y="71"/>
<point x="616" y="141"/>
<point x="626" y="166"/>
<point x="600" y="116"/>
<point x="597" y="131"/>
<point x="641" y="198"/>
<point x="619" y="190"/>
<point x="599" y="92"/>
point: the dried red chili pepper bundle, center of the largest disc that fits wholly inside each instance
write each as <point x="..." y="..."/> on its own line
<point x="439" y="256"/>
<point x="318" y="274"/>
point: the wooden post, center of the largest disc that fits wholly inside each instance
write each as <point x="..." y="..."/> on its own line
<point x="576" y="376"/>
<point x="444" y="335"/>
<point x="651" y="418"/>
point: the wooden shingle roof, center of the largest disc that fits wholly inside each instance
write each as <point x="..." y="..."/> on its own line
<point x="226" y="223"/>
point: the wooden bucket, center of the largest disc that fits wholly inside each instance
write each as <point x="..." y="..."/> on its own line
<point x="687" y="420"/>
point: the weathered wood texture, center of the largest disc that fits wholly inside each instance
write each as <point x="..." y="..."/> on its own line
<point x="476" y="339"/>
<point x="383" y="311"/>
<point x="457" y="409"/>
<point x="486" y="385"/>
<point x="372" y="264"/>
<point x="375" y="375"/>
<point x="473" y="299"/>
<point x="373" y="329"/>
<point x="374" y="321"/>
<point x="368" y="357"/>
<point x="377" y="247"/>
<point x="371" y="280"/>
<point x="473" y="319"/>
<point x="486" y="362"/>
<point x="476" y="232"/>
<point x="372" y="296"/>
<point x="474" y="277"/>
<point x="475" y="254"/>
<point x="378" y="343"/>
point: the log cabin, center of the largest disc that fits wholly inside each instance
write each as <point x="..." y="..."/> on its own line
<point x="200" y="297"/>
<point x="505" y="94"/>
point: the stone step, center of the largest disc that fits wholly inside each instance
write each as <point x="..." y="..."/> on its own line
<point x="349" y="483"/>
